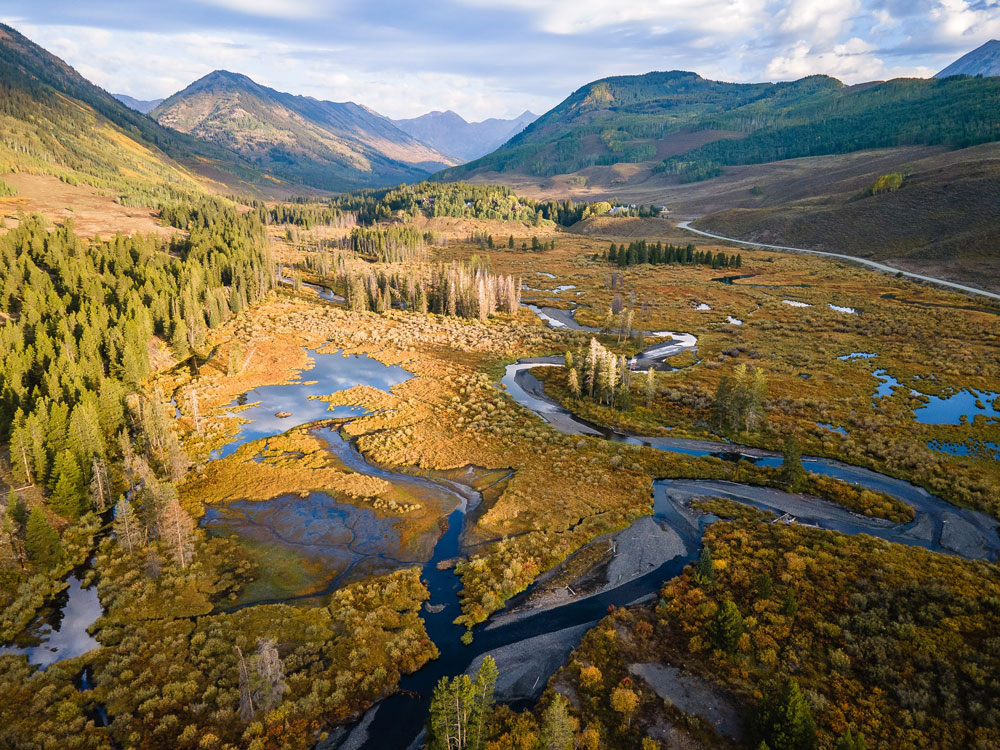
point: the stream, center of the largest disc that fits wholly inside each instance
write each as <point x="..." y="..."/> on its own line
<point x="534" y="641"/>
<point x="519" y="638"/>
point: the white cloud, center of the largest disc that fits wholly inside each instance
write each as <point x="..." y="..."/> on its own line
<point x="854" y="61"/>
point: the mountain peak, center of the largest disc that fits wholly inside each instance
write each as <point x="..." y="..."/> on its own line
<point x="982" y="61"/>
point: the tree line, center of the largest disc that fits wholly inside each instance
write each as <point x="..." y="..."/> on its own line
<point x="641" y="252"/>
<point x="77" y="320"/>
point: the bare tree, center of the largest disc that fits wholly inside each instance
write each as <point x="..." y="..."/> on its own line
<point x="269" y="671"/>
<point x="99" y="484"/>
<point x="177" y="530"/>
<point x="127" y="528"/>
<point x="246" y="696"/>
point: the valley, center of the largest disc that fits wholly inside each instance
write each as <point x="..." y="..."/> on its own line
<point x="307" y="444"/>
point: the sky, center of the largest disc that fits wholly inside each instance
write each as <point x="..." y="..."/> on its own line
<point x="493" y="58"/>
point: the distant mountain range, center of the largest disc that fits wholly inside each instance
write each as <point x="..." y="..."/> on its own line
<point x="139" y="105"/>
<point x="982" y="61"/>
<point x="451" y="133"/>
<point x="327" y="145"/>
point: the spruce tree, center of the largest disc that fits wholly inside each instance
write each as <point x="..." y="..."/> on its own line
<point x="704" y="572"/>
<point x="40" y="540"/>
<point x="726" y="627"/>
<point x="68" y="495"/>
<point x="793" y="473"/>
<point x="784" y="721"/>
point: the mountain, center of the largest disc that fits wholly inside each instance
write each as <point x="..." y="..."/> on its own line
<point x="982" y="61"/>
<point x="451" y="133"/>
<point x="139" y="105"/>
<point x="57" y="123"/>
<point x="694" y="128"/>
<point x="326" y="145"/>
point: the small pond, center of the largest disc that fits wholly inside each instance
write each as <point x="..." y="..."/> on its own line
<point x="61" y="631"/>
<point x="330" y="373"/>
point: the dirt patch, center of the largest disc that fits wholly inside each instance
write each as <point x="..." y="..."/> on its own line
<point x="693" y="695"/>
<point x="91" y="212"/>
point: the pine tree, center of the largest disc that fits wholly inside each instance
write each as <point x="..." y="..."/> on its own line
<point x="704" y="572"/>
<point x="793" y="474"/>
<point x="785" y="721"/>
<point x="40" y="540"/>
<point x="557" y="727"/>
<point x="726" y="627"/>
<point x="848" y="741"/>
<point x="68" y="494"/>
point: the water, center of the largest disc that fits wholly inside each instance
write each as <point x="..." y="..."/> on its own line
<point x="959" y="407"/>
<point x="832" y="428"/>
<point x="62" y="633"/>
<point x="937" y="525"/>
<point x="845" y="310"/>
<point x="856" y="355"/>
<point x="974" y="448"/>
<point x="734" y="321"/>
<point x="564" y="288"/>
<point x="317" y="543"/>
<point x="796" y="303"/>
<point x="332" y="373"/>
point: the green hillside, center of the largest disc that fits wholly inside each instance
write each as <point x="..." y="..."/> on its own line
<point x="646" y="118"/>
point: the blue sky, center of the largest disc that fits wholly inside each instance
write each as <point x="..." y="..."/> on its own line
<point x="486" y="58"/>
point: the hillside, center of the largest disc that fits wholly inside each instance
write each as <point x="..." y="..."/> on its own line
<point x="633" y="119"/>
<point x="451" y="133"/>
<point x="982" y="61"/>
<point x="139" y="105"/>
<point x="325" y="145"/>
<point x="57" y="123"/>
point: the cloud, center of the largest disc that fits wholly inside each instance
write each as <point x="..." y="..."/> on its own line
<point x="486" y="58"/>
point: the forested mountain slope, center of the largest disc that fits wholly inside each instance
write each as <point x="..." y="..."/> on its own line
<point x="326" y="145"/>
<point x="56" y="122"/>
<point x="654" y="117"/>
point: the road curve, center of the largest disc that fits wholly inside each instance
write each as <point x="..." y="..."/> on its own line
<point x="841" y="256"/>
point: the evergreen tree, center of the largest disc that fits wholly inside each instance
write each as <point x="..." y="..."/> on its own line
<point x="726" y="627"/>
<point x="848" y="741"/>
<point x="68" y="494"/>
<point x="793" y="474"/>
<point x="557" y="727"/>
<point x="704" y="572"/>
<point x="510" y="242"/>
<point x="784" y="721"/>
<point x="40" y="540"/>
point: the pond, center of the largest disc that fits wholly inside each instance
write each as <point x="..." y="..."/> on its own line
<point x="306" y="545"/>
<point x="61" y="631"/>
<point x="330" y="373"/>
